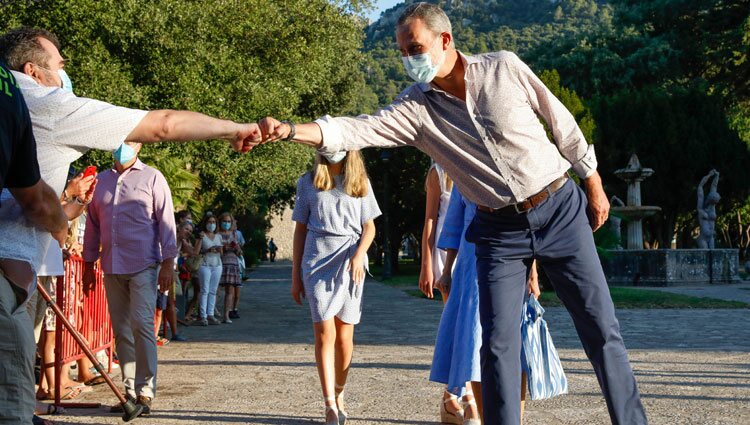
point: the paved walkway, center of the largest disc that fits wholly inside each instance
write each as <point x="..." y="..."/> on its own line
<point x="693" y="366"/>
<point x="733" y="292"/>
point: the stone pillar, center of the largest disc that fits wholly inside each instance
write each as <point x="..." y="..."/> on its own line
<point x="635" y="234"/>
<point x="634" y="193"/>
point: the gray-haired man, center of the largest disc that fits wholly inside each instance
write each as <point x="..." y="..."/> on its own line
<point x="477" y="116"/>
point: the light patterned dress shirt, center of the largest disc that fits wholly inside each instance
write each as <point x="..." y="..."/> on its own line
<point x="493" y="145"/>
<point x="132" y="218"/>
<point x="65" y="127"/>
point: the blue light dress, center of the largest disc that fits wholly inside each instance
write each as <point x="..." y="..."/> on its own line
<point x="334" y="227"/>
<point x="459" y="337"/>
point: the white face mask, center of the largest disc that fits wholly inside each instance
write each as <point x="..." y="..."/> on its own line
<point x="420" y="67"/>
<point x="335" y="158"/>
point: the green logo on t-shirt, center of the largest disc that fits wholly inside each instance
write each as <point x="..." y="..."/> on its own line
<point x="6" y="79"/>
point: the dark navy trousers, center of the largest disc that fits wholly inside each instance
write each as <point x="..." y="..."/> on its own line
<point x="557" y="233"/>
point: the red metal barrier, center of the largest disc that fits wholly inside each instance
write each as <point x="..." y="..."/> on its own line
<point x="89" y="313"/>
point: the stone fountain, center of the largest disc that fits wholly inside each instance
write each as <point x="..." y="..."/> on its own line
<point x="633" y="212"/>
<point x="635" y="266"/>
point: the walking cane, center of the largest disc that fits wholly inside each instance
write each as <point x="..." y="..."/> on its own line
<point x="130" y="409"/>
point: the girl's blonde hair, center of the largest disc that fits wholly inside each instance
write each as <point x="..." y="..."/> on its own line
<point x="355" y="175"/>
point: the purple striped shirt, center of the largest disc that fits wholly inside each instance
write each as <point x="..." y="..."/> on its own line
<point x="132" y="218"/>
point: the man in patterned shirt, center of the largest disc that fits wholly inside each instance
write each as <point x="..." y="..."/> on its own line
<point x="479" y="118"/>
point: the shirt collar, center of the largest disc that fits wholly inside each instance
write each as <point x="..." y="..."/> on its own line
<point x="137" y="165"/>
<point x="467" y="60"/>
<point x="27" y="83"/>
<point x="24" y="81"/>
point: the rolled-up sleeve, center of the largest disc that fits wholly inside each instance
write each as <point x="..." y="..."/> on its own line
<point x="164" y="213"/>
<point x="398" y="124"/>
<point x="567" y="134"/>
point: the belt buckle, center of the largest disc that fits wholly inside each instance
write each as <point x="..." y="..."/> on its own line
<point x="531" y="201"/>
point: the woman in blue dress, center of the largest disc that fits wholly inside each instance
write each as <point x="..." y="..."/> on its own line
<point x="456" y="358"/>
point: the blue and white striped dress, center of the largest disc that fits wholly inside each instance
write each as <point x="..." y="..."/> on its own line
<point x="334" y="227"/>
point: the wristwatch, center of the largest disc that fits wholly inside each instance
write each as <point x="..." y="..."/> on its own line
<point x="292" y="130"/>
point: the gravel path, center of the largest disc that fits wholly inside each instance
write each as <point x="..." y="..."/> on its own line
<point x="693" y="366"/>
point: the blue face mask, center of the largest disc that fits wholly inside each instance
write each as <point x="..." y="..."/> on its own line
<point x="211" y="227"/>
<point x="226" y="226"/>
<point x="124" y="153"/>
<point x="66" y="83"/>
<point x="420" y="67"/>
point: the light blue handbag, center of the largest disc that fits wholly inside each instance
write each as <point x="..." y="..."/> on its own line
<point x="539" y="358"/>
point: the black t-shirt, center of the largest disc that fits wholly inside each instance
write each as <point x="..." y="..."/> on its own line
<point x="18" y="164"/>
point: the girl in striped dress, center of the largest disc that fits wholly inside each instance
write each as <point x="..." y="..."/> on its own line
<point x="334" y="211"/>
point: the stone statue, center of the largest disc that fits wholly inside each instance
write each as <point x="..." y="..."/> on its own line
<point x="707" y="210"/>
<point x="615" y="221"/>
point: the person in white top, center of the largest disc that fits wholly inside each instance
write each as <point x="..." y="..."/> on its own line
<point x="438" y="186"/>
<point x="212" y="248"/>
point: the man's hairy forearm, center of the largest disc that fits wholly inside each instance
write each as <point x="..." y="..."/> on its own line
<point x="163" y="125"/>
<point x="593" y="181"/>
<point x="41" y="205"/>
<point x="309" y="134"/>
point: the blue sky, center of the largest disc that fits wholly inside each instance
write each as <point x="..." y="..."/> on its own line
<point x="381" y="5"/>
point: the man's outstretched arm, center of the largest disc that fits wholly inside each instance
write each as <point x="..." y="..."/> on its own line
<point x="169" y="125"/>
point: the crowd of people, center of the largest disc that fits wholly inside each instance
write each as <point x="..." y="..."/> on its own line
<point x="478" y="117"/>
<point x="210" y="258"/>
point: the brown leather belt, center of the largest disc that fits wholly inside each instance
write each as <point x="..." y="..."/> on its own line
<point x="530" y="202"/>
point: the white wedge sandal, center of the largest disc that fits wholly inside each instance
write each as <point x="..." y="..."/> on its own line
<point x="466" y="403"/>
<point x="447" y="417"/>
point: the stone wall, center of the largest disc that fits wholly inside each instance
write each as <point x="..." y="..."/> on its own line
<point x="282" y="232"/>
<point x="671" y="267"/>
